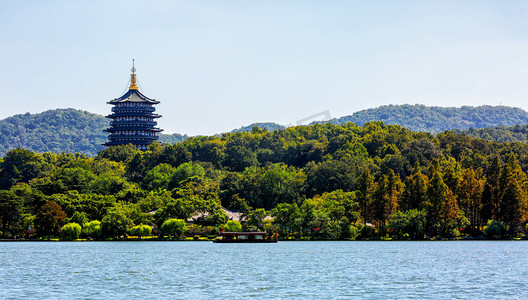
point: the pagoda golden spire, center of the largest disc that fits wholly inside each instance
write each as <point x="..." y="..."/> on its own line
<point x="133" y="85"/>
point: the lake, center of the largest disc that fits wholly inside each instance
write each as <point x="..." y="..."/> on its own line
<point x="203" y="270"/>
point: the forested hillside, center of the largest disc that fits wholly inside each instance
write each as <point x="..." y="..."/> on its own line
<point x="266" y="125"/>
<point x="72" y="130"/>
<point x="317" y="182"/>
<point x="59" y="130"/>
<point x="517" y="133"/>
<point x="437" y="119"/>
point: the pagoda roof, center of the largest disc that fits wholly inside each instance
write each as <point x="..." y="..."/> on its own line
<point x="133" y="96"/>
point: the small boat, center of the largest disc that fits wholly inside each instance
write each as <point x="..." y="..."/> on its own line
<point x="246" y="237"/>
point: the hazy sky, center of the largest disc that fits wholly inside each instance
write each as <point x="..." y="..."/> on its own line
<point x="218" y="65"/>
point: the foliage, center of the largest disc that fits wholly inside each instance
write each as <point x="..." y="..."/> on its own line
<point x="494" y="229"/>
<point x="232" y="226"/>
<point x="141" y="230"/>
<point x="60" y="130"/>
<point x="48" y="219"/>
<point x="92" y="229"/>
<point x="174" y="227"/>
<point x="322" y="181"/>
<point x="71" y="231"/>
<point x="437" y="119"/>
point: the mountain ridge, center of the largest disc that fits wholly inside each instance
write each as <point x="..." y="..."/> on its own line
<point x="73" y="130"/>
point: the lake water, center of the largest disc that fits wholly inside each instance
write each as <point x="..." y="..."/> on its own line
<point x="203" y="270"/>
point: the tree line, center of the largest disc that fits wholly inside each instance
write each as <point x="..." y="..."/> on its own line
<point x="307" y="182"/>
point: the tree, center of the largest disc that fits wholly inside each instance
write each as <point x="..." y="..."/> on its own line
<point x="364" y="194"/>
<point x="232" y="226"/>
<point x="409" y="223"/>
<point x="255" y="218"/>
<point x="415" y="193"/>
<point x="19" y="165"/>
<point x="387" y="196"/>
<point x="470" y="198"/>
<point x="11" y="210"/>
<point x="288" y="217"/>
<point x="443" y="210"/>
<point x="491" y="195"/>
<point x="115" y="223"/>
<point x="174" y="227"/>
<point x="92" y="229"/>
<point x="514" y="203"/>
<point x="49" y="218"/>
<point x="141" y="230"/>
<point x="71" y="231"/>
<point x="185" y="172"/>
<point x="158" y="177"/>
<point x="238" y="158"/>
<point x="79" y="218"/>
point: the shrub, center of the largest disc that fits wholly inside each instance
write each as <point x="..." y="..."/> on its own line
<point x="232" y="226"/>
<point x="494" y="229"/>
<point x="71" y="231"/>
<point x="141" y="230"/>
<point x="174" y="227"/>
<point x="92" y="229"/>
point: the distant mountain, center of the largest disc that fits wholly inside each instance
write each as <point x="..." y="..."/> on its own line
<point x="267" y="125"/>
<point x="438" y="119"/>
<point x="72" y="130"/>
<point x="517" y="133"/>
<point x="58" y="130"/>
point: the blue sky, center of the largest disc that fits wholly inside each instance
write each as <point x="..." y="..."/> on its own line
<point x="218" y="65"/>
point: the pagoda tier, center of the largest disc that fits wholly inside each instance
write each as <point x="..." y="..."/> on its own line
<point x="133" y="119"/>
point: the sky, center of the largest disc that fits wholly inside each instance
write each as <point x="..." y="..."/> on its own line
<point x="219" y="65"/>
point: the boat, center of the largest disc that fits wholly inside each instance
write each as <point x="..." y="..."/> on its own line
<point x="246" y="237"/>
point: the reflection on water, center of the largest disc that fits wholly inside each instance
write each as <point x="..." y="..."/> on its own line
<point x="203" y="270"/>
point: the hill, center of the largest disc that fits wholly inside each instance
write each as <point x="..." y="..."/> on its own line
<point x="72" y="130"/>
<point x="58" y="130"/>
<point x="517" y="133"/>
<point x="437" y="119"/>
<point x="267" y="125"/>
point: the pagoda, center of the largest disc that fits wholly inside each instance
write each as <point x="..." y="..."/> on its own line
<point x="133" y="118"/>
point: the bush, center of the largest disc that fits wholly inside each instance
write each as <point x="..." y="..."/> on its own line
<point x="174" y="227"/>
<point x="353" y="232"/>
<point x="494" y="229"/>
<point x="71" y="231"/>
<point x="367" y="232"/>
<point x="193" y="230"/>
<point x="92" y="229"/>
<point x="408" y="223"/>
<point x="232" y="226"/>
<point x="141" y="230"/>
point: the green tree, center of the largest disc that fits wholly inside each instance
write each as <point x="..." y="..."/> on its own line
<point x="470" y="198"/>
<point x="158" y="177"/>
<point x="415" y="193"/>
<point x="387" y="196"/>
<point x="18" y="165"/>
<point x="141" y="230"/>
<point x="255" y="218"/>
<point x="514" y="202"/>
<point x="174" y="227"/>
<point x="365" y="193"/>
<point x="11" y="210"/>
<point x="115" y="223"/>
<point x="288" y="217"/>
<point x="491" y="195"/>
<point x="232" y="226"/>
<point x="443" y="210"/>
<point x="92" y="229"/>
<point x="71" y="231"/>
<point x="410" y="223"/>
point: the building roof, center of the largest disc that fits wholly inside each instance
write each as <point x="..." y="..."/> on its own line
<point x="133" y="96"/>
